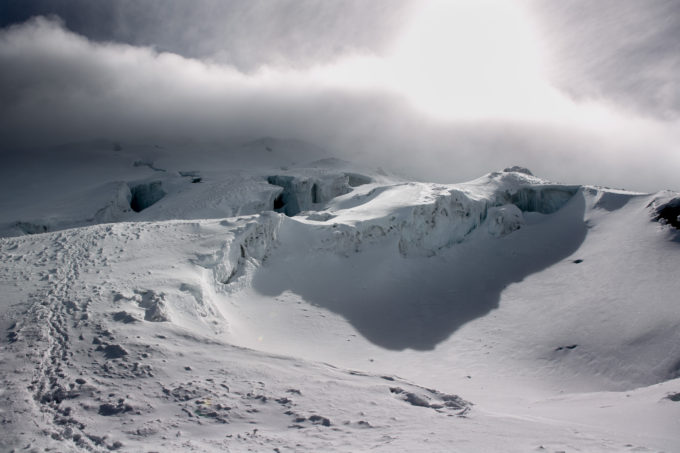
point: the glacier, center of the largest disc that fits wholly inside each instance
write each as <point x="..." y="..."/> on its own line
<point x="181" y="301"/>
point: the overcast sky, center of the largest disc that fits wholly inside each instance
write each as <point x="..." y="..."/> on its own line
<point x="578" y="91"/>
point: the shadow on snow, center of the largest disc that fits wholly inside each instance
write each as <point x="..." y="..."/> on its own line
<point x="416" y="303"/>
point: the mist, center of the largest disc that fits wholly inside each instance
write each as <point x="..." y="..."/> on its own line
<point x="59" y="86"/>
<point x="623" y="51"/>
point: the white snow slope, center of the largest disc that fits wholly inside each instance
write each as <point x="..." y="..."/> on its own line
<point x="369" y="313"/>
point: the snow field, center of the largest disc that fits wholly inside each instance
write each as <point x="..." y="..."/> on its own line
<point x="503" y="314"/>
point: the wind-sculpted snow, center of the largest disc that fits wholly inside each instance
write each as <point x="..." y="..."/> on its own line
<point x="83" y="371"/>
<point x="365" y="315"/>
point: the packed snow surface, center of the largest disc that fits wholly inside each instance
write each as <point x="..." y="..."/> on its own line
<point x="270" y="298"/>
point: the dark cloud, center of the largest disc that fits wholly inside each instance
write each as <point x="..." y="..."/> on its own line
<point x="57" y="86"/>
<point x="623" y="51"/>
<point x="244" y="33"/>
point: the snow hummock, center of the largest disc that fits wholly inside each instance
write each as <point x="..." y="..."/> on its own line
<point x="287" y="301"/>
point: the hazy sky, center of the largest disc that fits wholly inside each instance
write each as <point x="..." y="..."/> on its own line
<point x="578" y="91"/>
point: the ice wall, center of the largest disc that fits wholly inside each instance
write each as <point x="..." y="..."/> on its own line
<point x="144" y="195"/>
<point x="249" y="244"/>
<point x="453" y="216"/>
<point x="545" y="199"/>
<point x="302" y="193"/>
<point x="116" y="206"/>
<point x="448" y="215"/>
<point x="446" y="221"/>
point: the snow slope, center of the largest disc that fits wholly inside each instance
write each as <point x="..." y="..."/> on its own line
<point x="175" y="300"/>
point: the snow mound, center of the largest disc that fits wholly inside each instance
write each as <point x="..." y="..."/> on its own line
<point x="503" y="220"/>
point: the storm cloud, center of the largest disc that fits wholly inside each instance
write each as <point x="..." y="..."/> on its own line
<point x="61" y="86"/>
<point x="245" y="34"/>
